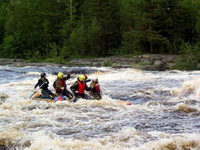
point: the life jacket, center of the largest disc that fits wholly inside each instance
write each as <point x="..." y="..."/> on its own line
<point x="61" y="83"/>
<point x="97" y="88"/>
<point x="81" y="87"/>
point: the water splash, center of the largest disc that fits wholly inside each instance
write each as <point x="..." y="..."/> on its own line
<point x="164" y="113"/>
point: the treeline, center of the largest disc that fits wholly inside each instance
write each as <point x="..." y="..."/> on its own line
<point x="41" y="29"/>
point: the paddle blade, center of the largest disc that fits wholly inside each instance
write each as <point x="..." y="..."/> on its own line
<point x="32" y="94"/>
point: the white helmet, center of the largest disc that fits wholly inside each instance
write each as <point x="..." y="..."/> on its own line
<point x="95" y="78"/>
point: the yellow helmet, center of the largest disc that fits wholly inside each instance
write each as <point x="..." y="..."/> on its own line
<point x="81" y="77"/>
<point x="60" y="75"/>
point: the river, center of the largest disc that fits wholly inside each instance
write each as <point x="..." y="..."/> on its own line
<point x="164" y="114"/>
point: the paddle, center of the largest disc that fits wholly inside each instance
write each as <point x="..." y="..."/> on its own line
<point x="36" y="90"/>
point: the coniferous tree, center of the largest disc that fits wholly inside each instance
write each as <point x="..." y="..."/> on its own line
<point x="3" y="16"/>
<point x="178" y="25"/>
<point x="67" y="28"/>
<point x="108" y="17"/>
<point x="32" y="27"/>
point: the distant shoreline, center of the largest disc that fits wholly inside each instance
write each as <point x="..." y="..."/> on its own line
<point x="155" y="62"/>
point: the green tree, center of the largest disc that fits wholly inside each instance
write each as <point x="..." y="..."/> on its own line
<point x="59" y="29"/>
<point x="106" y="16"/>
<point x="34" y="25"/>
<point x="188" y="58"/>
<point x="3" y="16"/>
<point x="197" y="24"/>
<point x="142" y="33"/>
<point x="179" y="21"/>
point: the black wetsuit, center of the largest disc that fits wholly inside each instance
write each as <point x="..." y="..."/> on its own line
<point x="43" y="83"/>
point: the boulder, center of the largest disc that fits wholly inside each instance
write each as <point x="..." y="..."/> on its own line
<point x="160" y="65"/>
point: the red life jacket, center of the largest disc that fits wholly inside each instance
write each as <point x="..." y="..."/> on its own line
<point x="97" y="88"/>
<point x="81" y="87"/>
<point x="61" y="83"/>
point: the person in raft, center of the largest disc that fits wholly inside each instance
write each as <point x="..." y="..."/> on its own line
<point x="60" y="85"/>
<point x="79" y="87"/>
<point x="95" y="91"/>
<point x="43" y="83"/>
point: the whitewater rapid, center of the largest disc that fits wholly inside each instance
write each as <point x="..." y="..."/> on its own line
<point x="164" y="114"/>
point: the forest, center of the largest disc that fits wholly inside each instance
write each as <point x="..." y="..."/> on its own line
<point x="65" y="29"/>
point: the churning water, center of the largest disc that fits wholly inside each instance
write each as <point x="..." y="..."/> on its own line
<point x="164" y="116"/>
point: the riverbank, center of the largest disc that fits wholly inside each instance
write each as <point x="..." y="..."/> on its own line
<point x="145" y="62"/>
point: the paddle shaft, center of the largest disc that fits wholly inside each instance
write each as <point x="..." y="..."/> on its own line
<point x="36" y="90"/>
